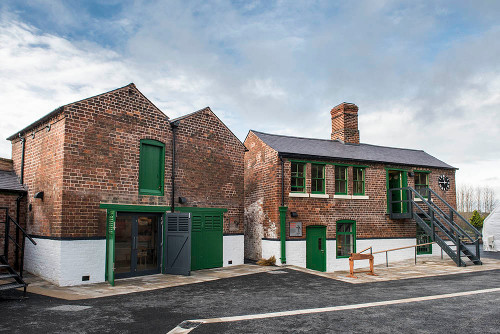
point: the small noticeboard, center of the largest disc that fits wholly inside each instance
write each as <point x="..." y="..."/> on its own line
<point x="295" y="229"/>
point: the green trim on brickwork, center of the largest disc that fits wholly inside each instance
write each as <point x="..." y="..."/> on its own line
<point x="421" y="171"/>
<point x="195" y="209"/>
<point x="362" y="181"/>
<point x="326" y="163"/>
<point x="283" y="211"/>
<point x="302" y="188"/>
<point x="398" y="169"/>
<point x="321" y="179"/>
<point x="353" y="233"/>
<point x="134" y="207"/>
<point x="151" y="168"/>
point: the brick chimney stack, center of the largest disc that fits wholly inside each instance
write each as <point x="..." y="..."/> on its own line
<point x="345" y="123"/>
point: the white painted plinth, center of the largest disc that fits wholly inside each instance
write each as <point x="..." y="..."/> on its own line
<point x="64" y="262"/>
<point x="233" y="249"/>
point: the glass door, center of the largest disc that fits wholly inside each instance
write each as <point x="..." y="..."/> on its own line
<point x="137" y="244"/>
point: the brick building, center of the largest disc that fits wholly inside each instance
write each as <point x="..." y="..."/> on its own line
<point x="109" y="168"/>
<point x="311" y="202"/>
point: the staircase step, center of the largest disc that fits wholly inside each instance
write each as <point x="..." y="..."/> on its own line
<point x="4" y="266"/>
<point x="11" y="286"/>
<point x="4" y="276"/>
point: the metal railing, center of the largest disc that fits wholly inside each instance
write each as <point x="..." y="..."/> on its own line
<point x="8" y="238"/>
<point x="400" y="248"/>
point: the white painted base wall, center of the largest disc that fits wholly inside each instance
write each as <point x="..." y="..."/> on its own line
<point x="233" y="249"/>
<point x="64" y="262"/>
<point x="296" y="252"/>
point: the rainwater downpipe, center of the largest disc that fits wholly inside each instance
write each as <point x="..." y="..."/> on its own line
<point x="283" y="210"/>
<point x="174" y="126"/>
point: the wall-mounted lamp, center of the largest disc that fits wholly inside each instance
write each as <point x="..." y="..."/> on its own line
<point x="39" y="195"/>
<point x="182" y="200"/>
<point x="411" y="174"/>
<point x="294" y="214"/>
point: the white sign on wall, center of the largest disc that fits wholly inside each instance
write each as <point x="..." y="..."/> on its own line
<point x="295" y="229"/>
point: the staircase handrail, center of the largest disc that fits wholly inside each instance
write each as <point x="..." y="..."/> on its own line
<point x="22" y="230"/>
<point x="478" y="234"/>
<point x="437" y="225"/>
<point x="463" y="233"/>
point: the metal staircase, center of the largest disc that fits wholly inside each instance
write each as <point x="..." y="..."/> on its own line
<point x="10" y="278"/>
<point x="452" y="232"/>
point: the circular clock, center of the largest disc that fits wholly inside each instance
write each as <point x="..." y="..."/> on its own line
<point x="444" y="182"/>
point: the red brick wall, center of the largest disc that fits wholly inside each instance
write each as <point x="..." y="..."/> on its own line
<point x="262" y="195"/>
<point x="101" y="161"/>
<point x="262" y="185"/>
<point x="209" y="167"/>
<point x="92" y="152"/>
<point x="43" y="166"/>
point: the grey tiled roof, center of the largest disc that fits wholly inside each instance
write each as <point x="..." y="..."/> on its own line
<point x="9" y="182"/>
<point x="333" y="149"/>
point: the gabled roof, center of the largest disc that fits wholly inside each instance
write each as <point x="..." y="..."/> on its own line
<point x="289" y="146"/>
<point x="210" y="110"/>
<point x="57" y="111"/>
<point x="9" y="182"/>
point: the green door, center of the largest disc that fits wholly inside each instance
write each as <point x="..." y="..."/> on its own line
<point x="423" y="238"/>
<point x="316" y="248"/>
<point x="206" y="240"/>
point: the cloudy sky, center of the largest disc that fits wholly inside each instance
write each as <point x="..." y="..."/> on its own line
<point x="424" y="74"/>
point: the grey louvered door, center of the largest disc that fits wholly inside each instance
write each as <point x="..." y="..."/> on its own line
<point x="177" y="244"/>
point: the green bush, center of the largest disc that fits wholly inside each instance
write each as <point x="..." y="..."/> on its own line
<point x="476" y="220"/>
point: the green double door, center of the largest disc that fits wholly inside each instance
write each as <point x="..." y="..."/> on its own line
<point x="206" y="239"/>
<point x="397" y="179"/>
<point x="316" y="248"/>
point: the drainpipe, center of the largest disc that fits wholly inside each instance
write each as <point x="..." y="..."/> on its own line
<point x="283" y="209"/>
<point x="18" y="203"/>
<point x="174" y="126"/>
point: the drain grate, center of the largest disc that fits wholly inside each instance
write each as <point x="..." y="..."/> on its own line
<point x="69" y="308"/>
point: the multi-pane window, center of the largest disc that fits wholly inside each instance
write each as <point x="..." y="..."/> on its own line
<point x="317" y="179"/>
<point x="422" y="183"/>
<point x="151" y="167"/>
<point x="341" y="180"/>
<point x="298" y="177"/>
<point x="358" y="181"/>
<point x="346" y="238"/>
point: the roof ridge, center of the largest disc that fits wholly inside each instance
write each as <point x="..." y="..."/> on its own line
<point x="338" y="141"/>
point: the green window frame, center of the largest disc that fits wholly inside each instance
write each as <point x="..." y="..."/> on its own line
<point x="340" y="180"/>
<point x="358" y="181"/>
<point x="345" y="238"/>
<point x="422" y="183"/>
<point x="317" y="178"/>
<point x="151" y="167"/>
<point x="298" y="177"/>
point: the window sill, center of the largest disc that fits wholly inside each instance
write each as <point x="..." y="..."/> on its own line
<point x="342" y="196"/>
<point x="418" y="199"/>
<point x="360" y="197"/>
<point x="351" y="196"/>
<point x="298" y="195"/>
<point x="320" y="195"/>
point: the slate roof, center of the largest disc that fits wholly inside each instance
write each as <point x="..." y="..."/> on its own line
<point x="9" y="182"/>
<point x="289" y="146"/>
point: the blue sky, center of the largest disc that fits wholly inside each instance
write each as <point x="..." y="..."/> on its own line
<point x="424" y="74"/>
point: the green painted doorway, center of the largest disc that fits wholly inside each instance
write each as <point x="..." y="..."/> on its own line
<point x="316" y="248"/>
<point x="206" y="237"/>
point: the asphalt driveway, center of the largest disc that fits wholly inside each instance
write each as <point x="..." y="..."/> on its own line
<point x="159" y="311"/>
